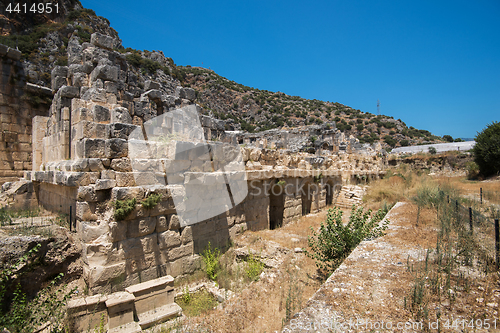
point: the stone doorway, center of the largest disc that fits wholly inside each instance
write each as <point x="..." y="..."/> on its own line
<point x="276" y="205"/>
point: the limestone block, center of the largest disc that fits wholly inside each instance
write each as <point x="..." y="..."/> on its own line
<point x="121" y="165"/>
<point x="80" y="165"/>
<point x="95" y="164"/>
<point x="78" y="68"/>
<point x="169" y="239"/>
<point x="104" y="41"/>
<point x="100" y="113"/>
<point x="87" y="312"/>
<point x="148" y="85"/>
<point x="141" y="264"/>
<point x="125" y="179"/>
<point x="154" y="301"/>
<point x="111" y="87"/>
<point x="80" y="114"/>
<point x="86" y="193"/>
<point x="127" y="193"/>
<point x="187" y="235"/>
<point x="90" y="231"/>
<point x="163" y="207"/>
<point x="152" y="94"/>
<point x="162" y="223"/>
<point x="90" y="148"/>
<point x="142" y="227"/>
<point x="180" y="251"/>
<point x="121" y="131"/>
<point x="174" y="223"/>
<point x="69" y="92"/>
<point x="108" y="174"/>
<point x="121" y="115"/>
<point x="136" y="247"/>
<point x="84" y="211"/>
<point x="104" y="184"/>
<point x="93" y="94"/>
<point x="121" y="313"/>
<point x="105" y="73"/>
<point x="116" y="148"/>
<point x="117" y="231"/>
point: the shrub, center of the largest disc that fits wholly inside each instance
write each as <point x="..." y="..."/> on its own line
<point x="472" y="170"/>
<point x="151" y="201"/>
<point x="487" y="149"/>
<point x="254" y="268"/>
<point x="211" y="260"/>
<point x="432" y="150"/>
<point x="404" y="143"/>
<point x="334" y="241"/>
<point x="390" y="141"/>
<point x="123" y="208"/>
<point x="448" y="138"/>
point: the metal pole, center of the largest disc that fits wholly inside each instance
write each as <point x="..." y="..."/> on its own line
<point x="470" y="221"/>
<point x="497" y="244"/>
<point x="481" y="195"/>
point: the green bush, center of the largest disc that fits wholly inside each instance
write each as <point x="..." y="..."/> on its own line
<point x="390" y="141"/>
<point x="123" y="208"/>
<point x="151" y="201"/>
<point x="487" y="149"/>
<point x="211" y="259"/>
<point x="254" y="268"/>
<point x="404" y="143"/>
<point x="432" y="150"/>
<point x="335" y="241"/>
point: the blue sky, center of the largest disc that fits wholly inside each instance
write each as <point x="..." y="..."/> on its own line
<point x="433" y="64"/>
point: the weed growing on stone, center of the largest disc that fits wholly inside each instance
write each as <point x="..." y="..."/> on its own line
<point x="123" y="208"/>
<point x="151" y="201"/>
<point x="211" y="259"/>
<point x="197" y="303"/>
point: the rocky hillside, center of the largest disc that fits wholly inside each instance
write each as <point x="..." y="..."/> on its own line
<point x="44" y="41"/>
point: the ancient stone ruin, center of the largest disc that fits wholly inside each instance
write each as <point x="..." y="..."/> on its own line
<point x="91" y="154"/>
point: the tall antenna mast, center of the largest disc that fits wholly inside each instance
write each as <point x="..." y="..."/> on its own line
<point x="378" y="107"/>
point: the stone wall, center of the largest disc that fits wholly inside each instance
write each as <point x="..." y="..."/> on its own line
<point x="19" y="103"/>
<point x="95" y="150"/>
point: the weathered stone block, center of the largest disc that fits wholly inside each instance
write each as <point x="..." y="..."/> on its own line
<point x="187" y="235"/>
<point x="101" y="114"/>
<point x="116" y="148"/>
<point x="108" y="174"/>
<point x="181" y="251"/>
<point x="148" y="85"/>
<point x="125" y="179"/>
<point x="88" y="148"/>
<point x="117" y="231"/>
<point x="121" y="115"/>
<point x="142" y="227"/>
<point x="121" y="131"/>
<point x="69" y="92"/>
<point x="104" y="41"/>
<point x="127" y="193"/>
<point x="105" y="73"/>
<point x="169" y="239"/>
<point x="175" y="223"/>
<point x="104" y="184"/>
<point x="84" y="212"/>
<point x="121" y="165"/>
<point x="162" y="223"/>
<point x="137" y="247"/>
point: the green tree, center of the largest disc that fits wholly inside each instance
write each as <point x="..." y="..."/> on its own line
<point x="432" y="150"/>
<point x="487" y="149"/>
<point x="448" y="138"/>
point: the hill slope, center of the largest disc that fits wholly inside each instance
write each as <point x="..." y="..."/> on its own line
<point x="44" y="44"/>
